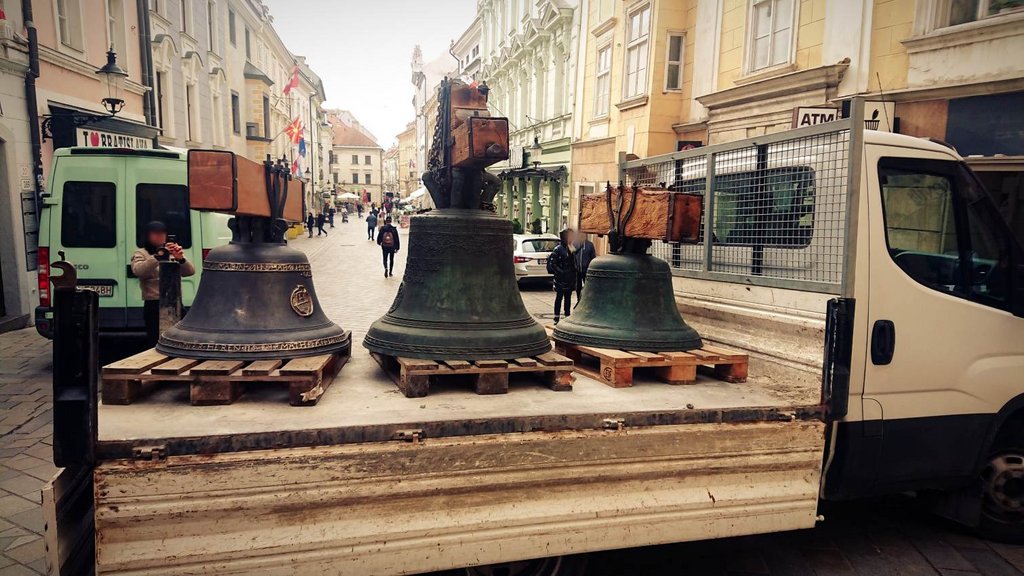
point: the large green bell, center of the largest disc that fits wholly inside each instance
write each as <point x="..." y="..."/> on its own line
<point x="628" y="303"/>
<point x="458" y="298"/>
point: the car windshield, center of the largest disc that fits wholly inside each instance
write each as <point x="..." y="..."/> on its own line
<point x="539" y="245"/>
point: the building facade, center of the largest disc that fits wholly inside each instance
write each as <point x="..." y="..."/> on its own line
<point x="529" y="62"/>
<point x="357" y="161"/>
<point x="408" y="170"/>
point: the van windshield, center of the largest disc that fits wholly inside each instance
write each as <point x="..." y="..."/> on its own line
<point x="167" y="203"/>
<point x="88" y="215"/>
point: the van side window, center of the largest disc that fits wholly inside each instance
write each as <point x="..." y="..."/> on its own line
<point x="89" y="215"/>
<point x="167" y="203"/>
<point x="938" y="229"/>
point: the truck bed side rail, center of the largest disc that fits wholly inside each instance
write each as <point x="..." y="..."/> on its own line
<point x="776" y="207"/>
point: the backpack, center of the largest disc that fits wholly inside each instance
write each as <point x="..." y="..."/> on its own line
<point x="387" y="239"/>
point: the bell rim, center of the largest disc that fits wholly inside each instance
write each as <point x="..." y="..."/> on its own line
<point x="254" y="350"/>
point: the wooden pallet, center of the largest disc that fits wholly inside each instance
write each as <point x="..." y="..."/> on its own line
<point x="413" y="376"/>
<point x="615" y="367"/>
<point x="214" y="382"/>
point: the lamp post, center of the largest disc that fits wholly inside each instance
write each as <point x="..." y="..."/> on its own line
<point x="113" y="76"/>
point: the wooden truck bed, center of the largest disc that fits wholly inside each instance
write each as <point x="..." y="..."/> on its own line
<point x="370" y="482"/>
<point x="363" y="405"/>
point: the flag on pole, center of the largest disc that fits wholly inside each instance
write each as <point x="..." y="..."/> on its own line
<point x="293" y="82"/>
<point x="294" y="131"/>
<point x="302" y="147"/>
<point x="466" y="79"/>
<point x="295" y="168"/>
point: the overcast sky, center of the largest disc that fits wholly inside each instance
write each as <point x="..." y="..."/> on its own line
<point x="362" y="50"/>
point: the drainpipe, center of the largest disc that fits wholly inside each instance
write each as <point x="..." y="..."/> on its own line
<point x="32" y="103"/>
<point x="146" y="60"/>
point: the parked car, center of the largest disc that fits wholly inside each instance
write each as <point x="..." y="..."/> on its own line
<point x="530" y="254"/>
<point x="99" y="203"/>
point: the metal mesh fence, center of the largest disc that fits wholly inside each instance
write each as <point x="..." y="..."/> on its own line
<point x="777" y="209"/>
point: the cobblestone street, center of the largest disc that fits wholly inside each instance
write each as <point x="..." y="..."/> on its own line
<point x="883" y="536"/>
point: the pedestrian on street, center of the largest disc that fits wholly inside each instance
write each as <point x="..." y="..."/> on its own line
<point x="371" y="225"/>
<point x="320" y="221"/>
<point x="359" y="209"/>
<point x="585" y="254"/>
<point x="330" y="216"/>
<point x="387" y="238"/>
<point x="310" y="223"/>
<point x="146" y="267"/>
<point x="562" y="267"/>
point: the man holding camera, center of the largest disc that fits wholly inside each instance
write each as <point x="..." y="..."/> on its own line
<point x="146" y="267"/>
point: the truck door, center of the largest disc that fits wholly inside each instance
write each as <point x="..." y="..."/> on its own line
<point x="944" y="351"/>
<point x="91" y="205"/>
<point x="158" y="192"/>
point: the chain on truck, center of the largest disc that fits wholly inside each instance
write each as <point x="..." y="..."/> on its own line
<point x="867" y="274"/>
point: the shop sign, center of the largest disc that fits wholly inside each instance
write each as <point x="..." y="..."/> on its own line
<point x="812" y="115"/>
<point x="92" y="138"/>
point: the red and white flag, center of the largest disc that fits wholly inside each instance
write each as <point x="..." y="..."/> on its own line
<point x="293" y="82"/>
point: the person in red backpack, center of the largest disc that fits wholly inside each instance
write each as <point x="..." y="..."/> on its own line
<point x="387" y="239"/>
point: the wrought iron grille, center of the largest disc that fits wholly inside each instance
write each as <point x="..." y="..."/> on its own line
<point x="775" y="207"/>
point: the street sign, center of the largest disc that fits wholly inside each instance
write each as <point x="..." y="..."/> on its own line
<point x="92" y="138"/>
<point x="811" y="115"/>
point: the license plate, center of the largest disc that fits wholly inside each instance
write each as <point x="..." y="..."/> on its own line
<point x="104" y="290"/>
<point x="542" y="261"/>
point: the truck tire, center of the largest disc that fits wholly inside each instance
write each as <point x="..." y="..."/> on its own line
<point x="554" y="566"/>
<point x="1002" y="508"/>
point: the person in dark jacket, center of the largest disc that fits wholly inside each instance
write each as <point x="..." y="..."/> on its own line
<point x="584" y="253"/>
<point x="330" y="215"/>
<point x="371" y="225"/>
<point x="145" y="265"/>
<point x="320" y="221"/>
<point x="387" y="239"/>
<point x="562" y="267"/>
<point x="310" y="222"/>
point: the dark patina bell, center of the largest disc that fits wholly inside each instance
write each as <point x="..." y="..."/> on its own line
<point x="628" y="303"/>
<point x="255" y="300"/>
<point x="458" y="298"/>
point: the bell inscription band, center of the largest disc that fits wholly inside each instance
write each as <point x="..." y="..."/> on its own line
<point x="458" y="298"/>
<point x="628" y="301"/>
<point x="256" y="298"/>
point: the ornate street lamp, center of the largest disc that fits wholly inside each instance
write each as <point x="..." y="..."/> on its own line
<point x="114" y="76"/>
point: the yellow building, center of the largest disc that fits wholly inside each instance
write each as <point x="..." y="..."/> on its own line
<point x="662" y="75"/>
<point x="408" y="171"/>
<point x="635" y="84"/>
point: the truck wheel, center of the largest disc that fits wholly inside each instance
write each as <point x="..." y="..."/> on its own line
<point x="1002" y="512"/>
<point x="553" y="566"/>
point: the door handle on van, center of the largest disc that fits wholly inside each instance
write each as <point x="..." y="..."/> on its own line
<point x="883" y="342"/>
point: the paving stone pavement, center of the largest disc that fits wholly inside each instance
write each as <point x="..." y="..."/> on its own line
<point x="889" y="536"/>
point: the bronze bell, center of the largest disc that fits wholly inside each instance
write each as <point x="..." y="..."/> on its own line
<point x="628" y="303"/>
<point x="255" y="298"/>
<point x="459" y="298"/>
<point x="627" y="300"/>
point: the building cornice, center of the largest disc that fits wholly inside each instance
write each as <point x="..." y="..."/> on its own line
<point x="795" y="82"/>
<point x="984" y="30"/>
<point x="72" y="64"/>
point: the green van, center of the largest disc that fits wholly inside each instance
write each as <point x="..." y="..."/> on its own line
<point x="99" y="201"/>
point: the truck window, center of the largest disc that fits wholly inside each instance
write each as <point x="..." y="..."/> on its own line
<point x="167" y="203"/>
<point x="939" y="229"/>
<point x="88" y="215"/>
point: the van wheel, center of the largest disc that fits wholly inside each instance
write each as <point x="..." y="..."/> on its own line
<point x="554" y="566"/>
<point x="1002" y="511"/>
